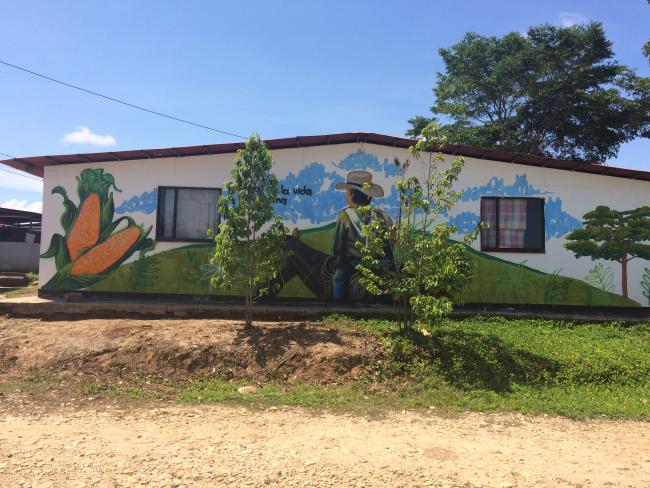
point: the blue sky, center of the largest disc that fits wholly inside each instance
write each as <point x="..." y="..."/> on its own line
<point x="280" y="68"/>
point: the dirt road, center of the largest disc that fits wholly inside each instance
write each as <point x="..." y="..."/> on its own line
<point x="176" y="445"/>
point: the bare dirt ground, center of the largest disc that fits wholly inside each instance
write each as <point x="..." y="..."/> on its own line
<point x="54" y="440"/>
<point x="181" y="348"/>
<point x="186" y="446"/>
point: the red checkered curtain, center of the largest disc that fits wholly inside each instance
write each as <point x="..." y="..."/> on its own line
<point x="512" y="223"/>
<point x="489" y="216"/>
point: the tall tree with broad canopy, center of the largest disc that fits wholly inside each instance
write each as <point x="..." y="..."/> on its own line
<point x="249" y="244"/>
<point x="646" y="46"/>
<point x="557" y="91"/>
<point x="614" y="236"/>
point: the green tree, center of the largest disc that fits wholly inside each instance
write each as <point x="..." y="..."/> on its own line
<point x="646" y="46"/>
<point x="249" y="244"/>
<point x="614" y="236"/>
<point x="428" y="269"/>
<point x="556" y="92"/>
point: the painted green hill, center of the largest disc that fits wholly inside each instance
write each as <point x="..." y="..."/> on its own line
<point x="186" y="270"/>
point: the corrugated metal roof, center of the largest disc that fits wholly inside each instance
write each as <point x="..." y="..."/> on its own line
<point x="20" y="214"/>
<point x="35" y="165"/>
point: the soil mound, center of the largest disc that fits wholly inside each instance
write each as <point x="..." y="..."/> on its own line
<point x="184" y="348"/>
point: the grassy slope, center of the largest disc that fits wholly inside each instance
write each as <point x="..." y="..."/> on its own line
<point x="499" y="281"/>
<point x="527" y="365"/>
<point x="496" y="281"/>
<point x="482" y="364"/>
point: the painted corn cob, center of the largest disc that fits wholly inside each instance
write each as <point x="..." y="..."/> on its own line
<point x="103" y="256"/>
<point x="85" y="230"/>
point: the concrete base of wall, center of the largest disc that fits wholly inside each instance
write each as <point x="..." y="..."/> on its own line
<point x="58" y="307"/>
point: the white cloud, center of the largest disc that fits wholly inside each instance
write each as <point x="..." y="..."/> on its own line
<point x="569" y="19"/>
<point x="23" y="205"/>
<point x="83" y="135"/>
<point x="17" y="182"/>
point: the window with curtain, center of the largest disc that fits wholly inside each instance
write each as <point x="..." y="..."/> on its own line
<point x="186" y="213"/>
<point x="514" y="224"/>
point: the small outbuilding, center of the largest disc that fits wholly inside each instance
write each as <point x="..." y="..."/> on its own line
<point x="20" y="240"/>
<point x="136" y="221"/>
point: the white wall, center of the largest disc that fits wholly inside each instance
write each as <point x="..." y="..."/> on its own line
<point x="18" y="256"/>
<point x="579" y="193"/>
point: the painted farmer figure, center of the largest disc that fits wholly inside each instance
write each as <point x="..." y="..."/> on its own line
<point x="360" y="190"/>
<point x="334" y="276"/>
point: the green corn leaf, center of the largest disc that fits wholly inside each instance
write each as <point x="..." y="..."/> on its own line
<point x="70" y="209"/>
<point x="108" y="231"/>
<point x="95" y="181"/>
<point x="108" y="209"/>
<point x="58" y="250"/>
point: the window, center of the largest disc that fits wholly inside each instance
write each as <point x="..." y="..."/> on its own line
<point x="514" y="224"/>
<point x="186" y="214"/>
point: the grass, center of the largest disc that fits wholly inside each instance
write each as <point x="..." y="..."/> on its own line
<point x="477" y="364"/>
<point x="532" y="366"/>
<point x="31" y="383"/>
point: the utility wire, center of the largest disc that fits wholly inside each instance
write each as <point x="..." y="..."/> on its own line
<point x="119" y="101"/>
<point x="17" y="174"/>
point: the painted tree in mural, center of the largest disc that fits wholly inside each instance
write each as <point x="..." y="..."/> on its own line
<point x="553" y="91"/>
<point x="613" y="235"/>
<point x="427" y="270"/>
<point x="249" y="244"/>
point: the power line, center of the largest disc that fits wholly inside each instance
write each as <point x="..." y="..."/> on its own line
<point x="17" y="174"/>
<point x="118" y="101"/>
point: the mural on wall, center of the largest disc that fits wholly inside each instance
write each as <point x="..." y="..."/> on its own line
<point x="319" y="199"/>
<point x="145" y="203"/>
<point x="93" y="245"/>
<point x="613" y="235"/>
<point x="645" y="284"/>
<point x="557" y="222"/>
<point x="332" y="274"/>
<point x="601" y="276"/>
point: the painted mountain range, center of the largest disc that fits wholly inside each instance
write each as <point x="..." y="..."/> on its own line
<point x="311" y="195"/>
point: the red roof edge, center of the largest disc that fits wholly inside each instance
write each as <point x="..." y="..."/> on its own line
<point x="34" y="165"/>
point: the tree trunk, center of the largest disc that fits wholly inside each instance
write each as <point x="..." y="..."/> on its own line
<point x="249" y="312"/>
<point x="249" y="291"/>
<point x="624" y="274"/>
<point x="396" y="310"/>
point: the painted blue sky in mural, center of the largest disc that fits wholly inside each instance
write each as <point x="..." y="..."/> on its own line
<point x="369" y="162"/>
<point x="557" y="222"/>
<point x="325" y="201"/>
<point x="145" y="203"/>
<point x="496" y="187"/>
<point x="310" y="194"/>
<point x="465" y="222"/>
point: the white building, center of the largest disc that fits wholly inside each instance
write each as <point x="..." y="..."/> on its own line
<point x="135" y="221"/>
